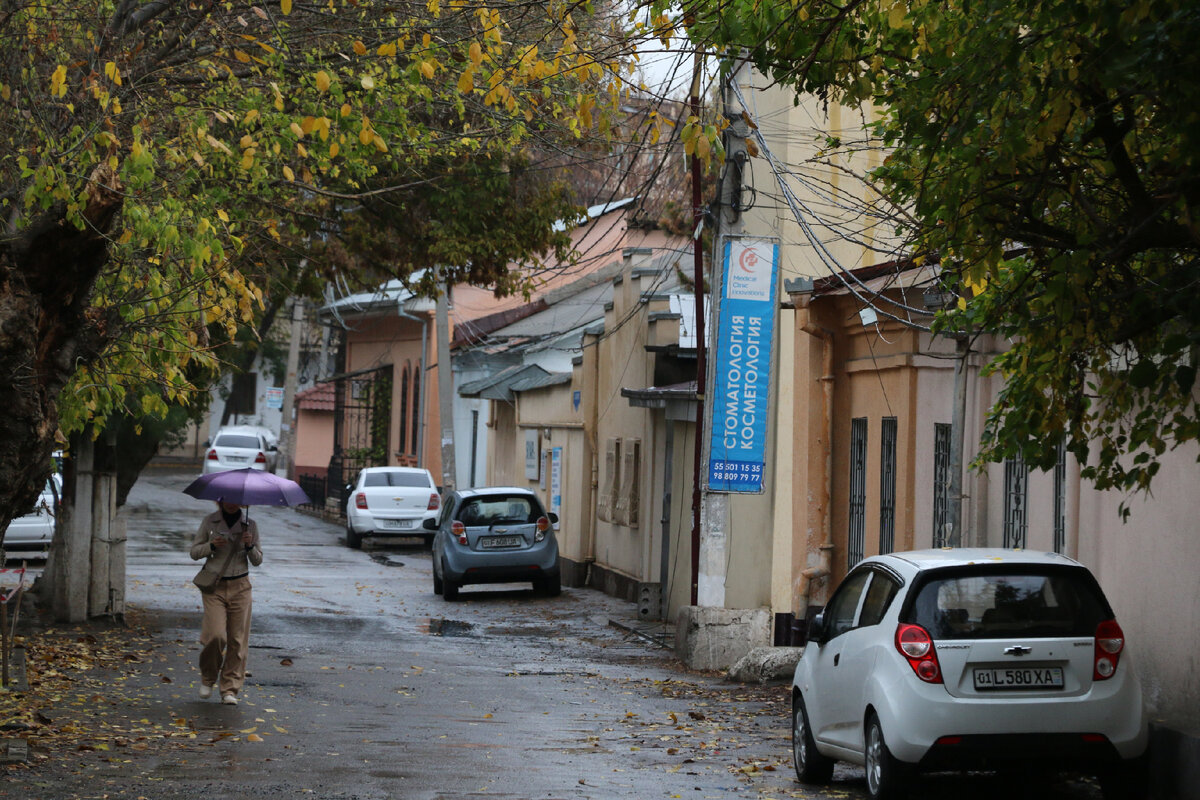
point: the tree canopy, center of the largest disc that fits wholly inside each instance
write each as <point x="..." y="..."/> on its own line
<point x="163" y="162"/>
<point x="1047" y="153"/>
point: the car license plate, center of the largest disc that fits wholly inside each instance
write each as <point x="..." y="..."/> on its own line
<point x="491" y="542"/>
<point x="1019" y="678"/>
<point x="397" y="523"/>
<point x="237" y="459"/>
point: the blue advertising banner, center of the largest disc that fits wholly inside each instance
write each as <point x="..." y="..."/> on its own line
<point x="741" y="381"/>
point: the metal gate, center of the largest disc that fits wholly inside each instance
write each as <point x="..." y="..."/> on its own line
<point x="362" y="422"/>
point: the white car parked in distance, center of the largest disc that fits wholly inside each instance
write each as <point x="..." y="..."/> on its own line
<point x="241" y="446"/>
<point x="960" y="659"/>
<point x="29" y="535"/>
<point x="390" y="501"/>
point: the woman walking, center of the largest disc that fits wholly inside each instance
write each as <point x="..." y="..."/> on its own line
<point x="229" y="542"/>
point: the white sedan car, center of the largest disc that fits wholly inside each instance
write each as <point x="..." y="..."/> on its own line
<point x="239" y="447"/>
<point x="390" y="501"/>
<point x="29" y="536"/>
<point x="961" y="659"/>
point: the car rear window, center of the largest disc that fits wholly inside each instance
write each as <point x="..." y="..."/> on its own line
<point x="396" y="479"/>
<point x="237" y="440"/>
<point x="1001" y="603"/>
<point x="494" y="509"/>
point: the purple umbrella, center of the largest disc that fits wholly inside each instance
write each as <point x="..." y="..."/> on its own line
<point x="247" y="487"/>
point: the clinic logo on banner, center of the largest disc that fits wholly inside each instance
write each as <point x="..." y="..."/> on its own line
<point x="741" y="382"/>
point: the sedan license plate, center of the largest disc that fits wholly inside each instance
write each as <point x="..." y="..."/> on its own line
<point x="1019" y="678"/>
<point x="397" y="523"/>
<point x="492" y="542"/>
<point x="237" y="459"/>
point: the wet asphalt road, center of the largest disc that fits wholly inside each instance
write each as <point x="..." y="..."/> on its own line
<point x="364" y="684"/>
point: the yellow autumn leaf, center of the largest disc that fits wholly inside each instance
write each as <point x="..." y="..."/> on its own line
<point x="379" y="143"/>
<point x="287" y="173"/>
<point x="367" y="82"/>
<point x="285" y="6"/>
<point x="476" y="53"/>
<point x="112" y="72"/>
<point x="221" y="215"/>
<point x="254" y="737"/>
<point x="896" y="16"/>
<point x="344" y="110"/>
<point x="466" y="81"/>
<point x="360" y="49"/>
<point x="297" y="130"/>
<point x="427" y="70"/>
<point x="334" y="149"/>
<point x="323" y="81"/>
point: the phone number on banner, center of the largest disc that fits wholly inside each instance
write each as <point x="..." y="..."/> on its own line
<point x="742" y="472"/>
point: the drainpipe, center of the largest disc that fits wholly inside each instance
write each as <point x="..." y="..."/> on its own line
<point x="424" y="382"/>
<point x="804" y="583"/>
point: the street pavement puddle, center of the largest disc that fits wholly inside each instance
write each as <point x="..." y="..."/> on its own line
<point x="387" y="559"/>
<point x="435" y="626"/>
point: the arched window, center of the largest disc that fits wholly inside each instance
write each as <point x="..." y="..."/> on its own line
<point x="417" y="410"/>
<point x="404" y="410"/>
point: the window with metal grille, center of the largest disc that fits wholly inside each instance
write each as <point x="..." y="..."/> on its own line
<point x="887" y="486"/>
<point x="628" y="500"/>
<point x="1060" y="500"/>
<point x="858" y="490"/>
<point x="1016" y="497"/>
<point x="606" y="503"/>
<point x="941" y="482"/>
<point x="417" y="410"/>
<point x="404" y="410"/>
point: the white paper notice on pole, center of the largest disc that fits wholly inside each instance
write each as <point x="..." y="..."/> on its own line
<point x="556" y="482"/>
<point x="532" y="454"/>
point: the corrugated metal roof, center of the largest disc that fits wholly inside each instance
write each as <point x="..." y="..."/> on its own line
<point x="498" y="386"/>
<point x="540" y="381"/>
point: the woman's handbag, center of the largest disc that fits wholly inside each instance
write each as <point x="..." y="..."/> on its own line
<point x="206" y="579"/>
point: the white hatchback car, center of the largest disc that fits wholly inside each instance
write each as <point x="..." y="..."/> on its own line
<point x="390" y="501"/>
<point x="967" y="659"/>
<point x="241" y="446"/>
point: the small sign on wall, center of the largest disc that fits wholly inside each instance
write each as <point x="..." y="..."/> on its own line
<point x="533" y="460"/>
<point x="274" y="397"/>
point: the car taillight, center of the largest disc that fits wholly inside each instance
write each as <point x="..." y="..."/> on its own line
<point x="543" y="525"/>
<point x="360" y="500"/>
<point x="457" y="529"/>
<point x="261" y="459"/>
<point x="1110" y="641"/>
<point x="434" y="503"/>
<point x="916" y="645"/>
<point x="212" y="455"/>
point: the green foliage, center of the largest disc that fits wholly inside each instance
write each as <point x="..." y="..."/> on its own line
<point x="1062" y="131"/>
<point x="239" y="134"/>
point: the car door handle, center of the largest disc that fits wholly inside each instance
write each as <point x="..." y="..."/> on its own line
<point x="836" y="658"/>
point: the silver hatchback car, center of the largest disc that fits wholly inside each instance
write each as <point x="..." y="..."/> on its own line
<point x="962" y="659"/>
<point x="494" y="535"/>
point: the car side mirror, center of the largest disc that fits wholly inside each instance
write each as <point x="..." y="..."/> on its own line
<point x="273" y="448"/>
<point x="349" y="487"/>
<point x="430" y="525"/>
<point x="816" y="632"/>
<point x="207" y="443"/>
<point x="553" y="518"/>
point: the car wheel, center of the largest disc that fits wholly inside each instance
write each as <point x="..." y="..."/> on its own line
<point x="811" y="766"/>
<point x="884" y="773"/>
<point x="550" y="585"/>
<point x="1127" y="780"/>
<point x="449" y="587"/>
<point x="353" y="540"/>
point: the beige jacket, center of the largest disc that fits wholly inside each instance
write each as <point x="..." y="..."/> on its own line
<point x="213" y="526"/>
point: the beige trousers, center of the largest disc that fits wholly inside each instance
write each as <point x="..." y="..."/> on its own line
<point x="225" y="635"/>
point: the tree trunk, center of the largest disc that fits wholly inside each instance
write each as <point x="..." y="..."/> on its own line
<point x="47" y="329"/>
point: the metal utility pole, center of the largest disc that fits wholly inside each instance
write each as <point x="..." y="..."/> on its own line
<point x="445" y="385"/>
<point x="954" y="495"/>
<point x="283" y="464"/>
<point x="698" y="269"/>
